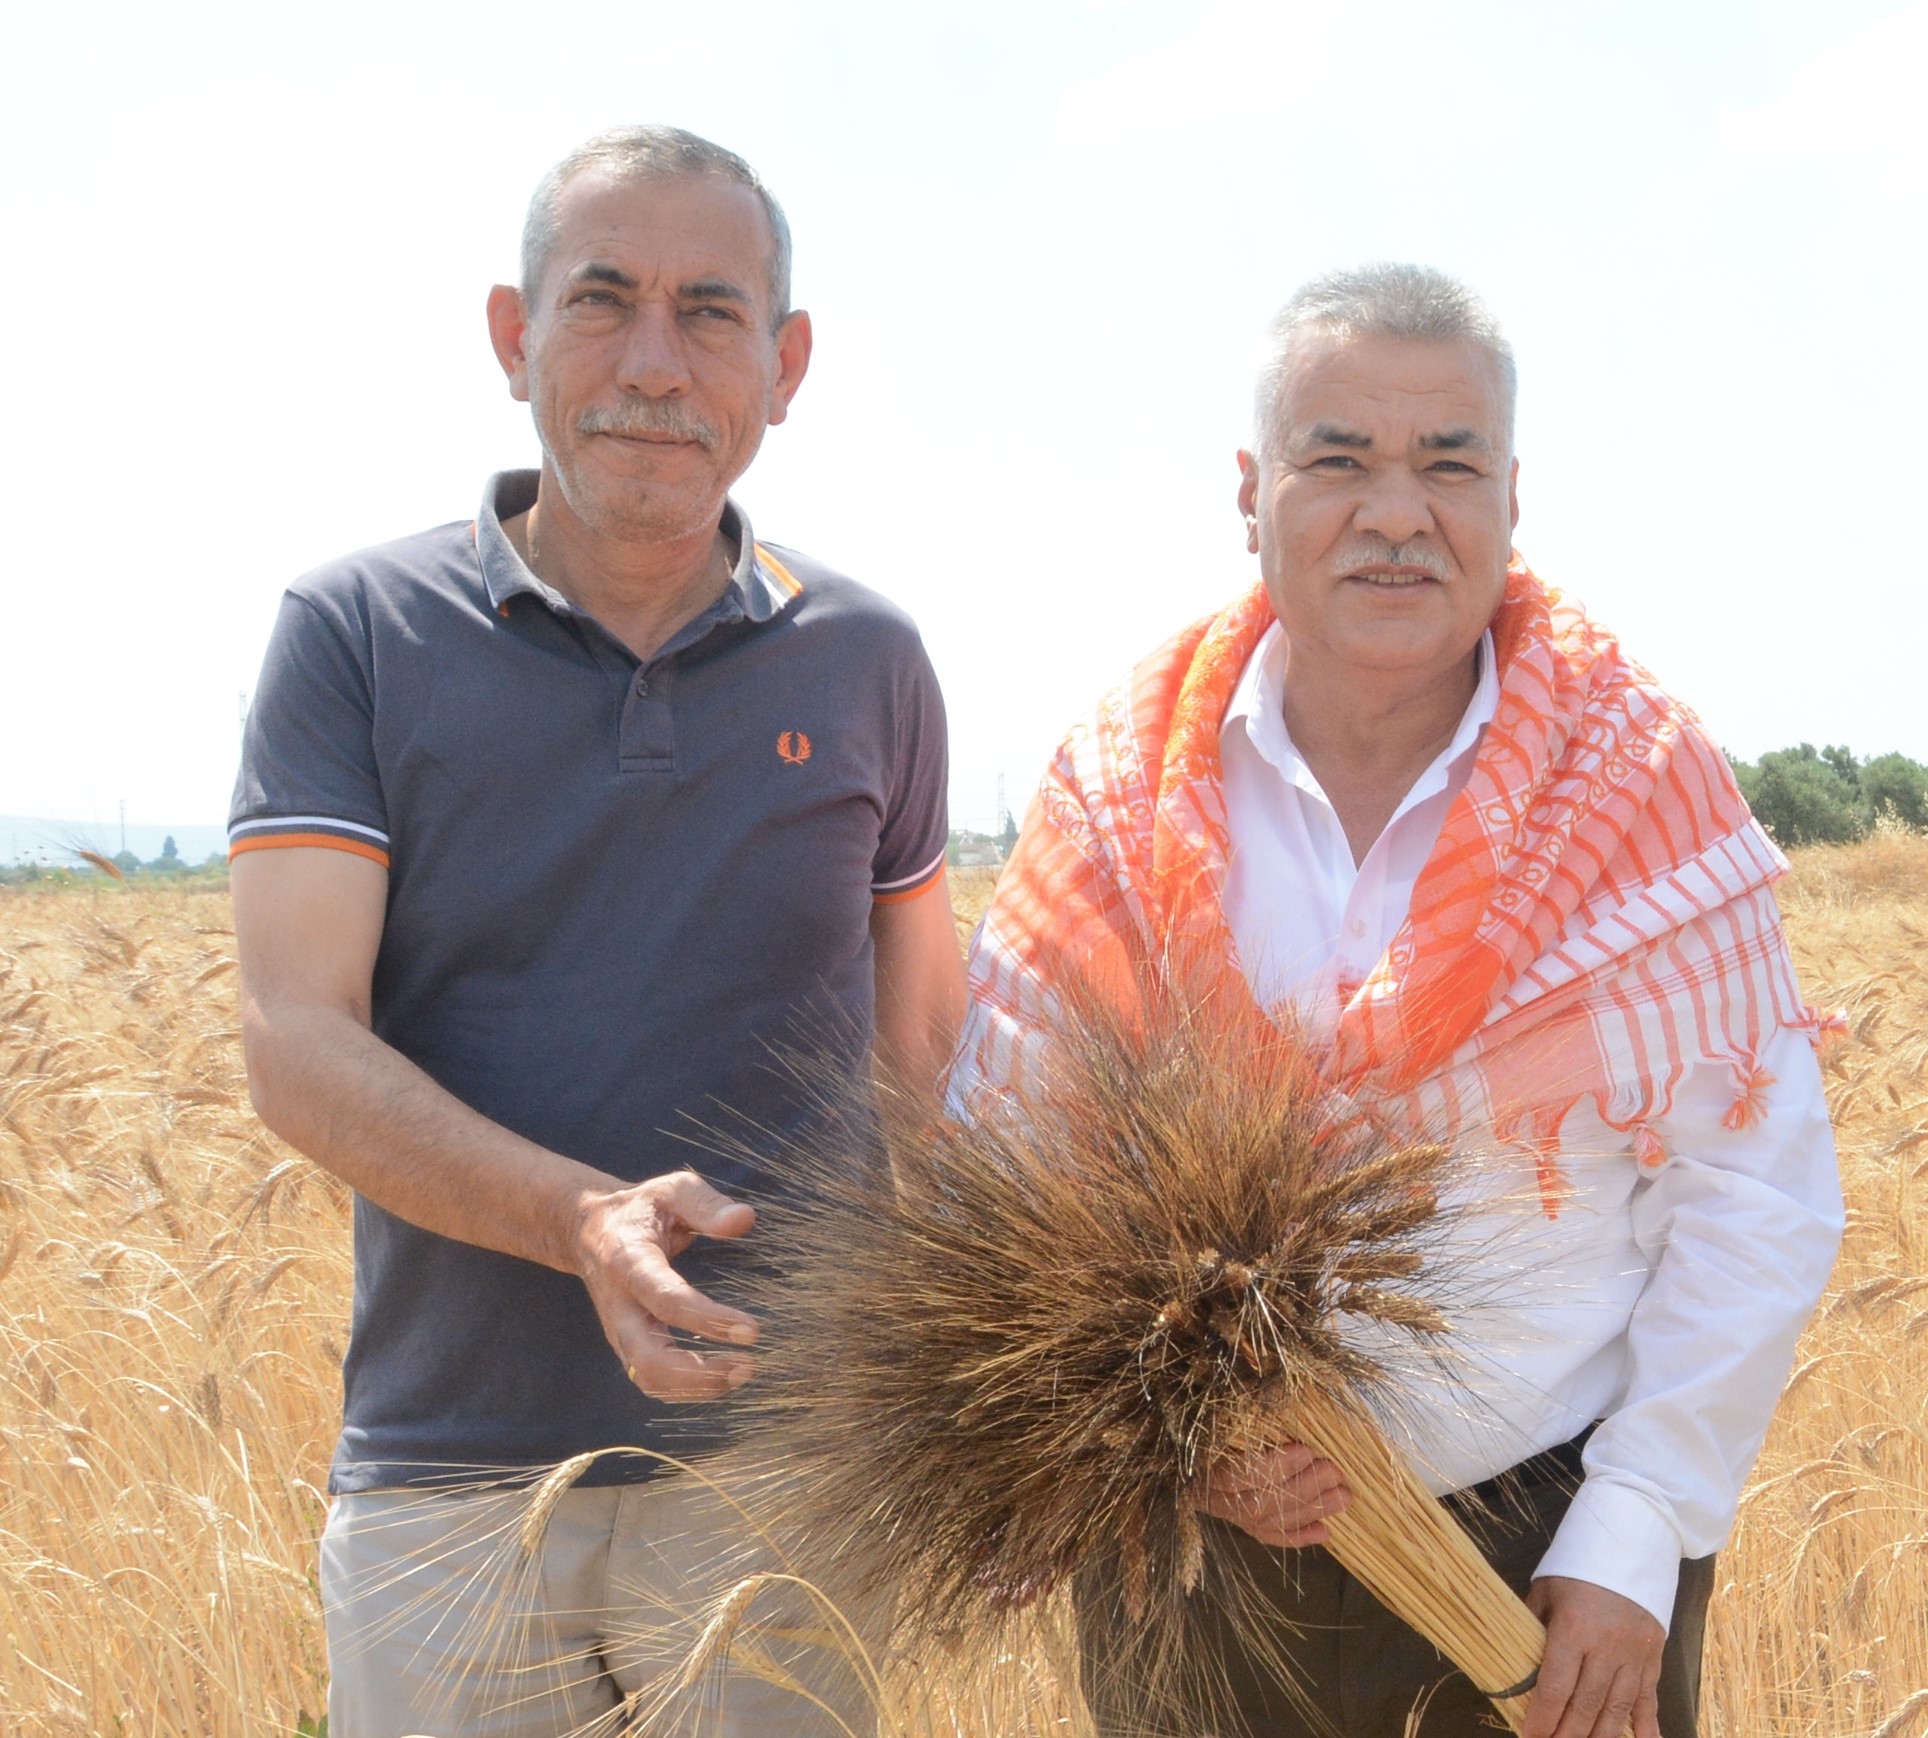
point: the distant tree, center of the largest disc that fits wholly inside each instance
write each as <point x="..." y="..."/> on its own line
<point x="1805" y="796"/>
<point x="1843" y="763"/>
<point x="126" y="862"/>
<point x="1008" y="837"/>
<point x="1894" y="785"/>
<point x="170" y="852"/>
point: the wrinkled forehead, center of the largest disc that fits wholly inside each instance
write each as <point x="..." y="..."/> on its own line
<point x="674" y="225"/>
<point x="1392" y="389"/>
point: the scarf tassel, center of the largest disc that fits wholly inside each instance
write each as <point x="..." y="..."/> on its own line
<point x="1537" y="1131"/>
<point x="1831" y="1029"/>
<point x="1750" y="1103"/>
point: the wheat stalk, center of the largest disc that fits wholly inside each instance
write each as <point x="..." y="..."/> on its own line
<point x="1007" y="1353"/>
<point x="1416" y="1560"/>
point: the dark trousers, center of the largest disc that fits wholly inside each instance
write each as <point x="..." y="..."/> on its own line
<point x="1361" y="1668"/>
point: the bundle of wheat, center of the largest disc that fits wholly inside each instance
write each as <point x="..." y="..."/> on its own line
<point x="1006" y="1358"/>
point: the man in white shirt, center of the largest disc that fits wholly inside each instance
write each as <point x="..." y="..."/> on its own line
<point x="1427" y="806"/>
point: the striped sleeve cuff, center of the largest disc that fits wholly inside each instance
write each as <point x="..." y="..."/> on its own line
<point x="268" y="832"/>
<point x="908" y="886"/>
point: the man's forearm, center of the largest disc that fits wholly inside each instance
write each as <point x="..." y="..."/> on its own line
<point x="333" y="1090"/>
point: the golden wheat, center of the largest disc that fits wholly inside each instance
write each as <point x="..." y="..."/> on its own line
<point x="1820" y="1625"/>
<point x="171" y="1319"/>
<point x="174" y="1286"/>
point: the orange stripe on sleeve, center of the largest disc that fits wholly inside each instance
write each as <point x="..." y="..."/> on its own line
<point x="899" y="895"/>
<point x="282" y="841"/>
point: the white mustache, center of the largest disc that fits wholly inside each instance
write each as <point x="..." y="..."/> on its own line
<point x="1378" y="552"/>
<point x="648" y="416"/>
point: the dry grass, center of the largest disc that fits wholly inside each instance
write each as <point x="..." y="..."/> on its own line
<point x="173" y="1287"/>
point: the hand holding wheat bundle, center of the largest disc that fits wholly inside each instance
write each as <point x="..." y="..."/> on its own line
<point x="1010" y="1357"/>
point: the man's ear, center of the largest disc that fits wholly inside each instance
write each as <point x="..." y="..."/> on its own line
<point x="1513" y="495"/>
<point x="1248" y="498"/>
<point x="794" y="339"/>
<point x="508" y="330"/>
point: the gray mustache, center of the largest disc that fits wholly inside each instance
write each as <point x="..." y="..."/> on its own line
<point x="1371" y="551"/>
<point x="648" y="416"/>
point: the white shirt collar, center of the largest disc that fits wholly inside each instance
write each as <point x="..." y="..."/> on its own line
<point x="1258" y="707"/>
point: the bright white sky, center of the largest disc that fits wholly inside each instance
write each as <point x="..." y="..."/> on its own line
<point x="1040" y="240"/>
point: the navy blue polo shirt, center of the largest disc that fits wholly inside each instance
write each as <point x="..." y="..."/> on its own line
<point x="620" y="894"/>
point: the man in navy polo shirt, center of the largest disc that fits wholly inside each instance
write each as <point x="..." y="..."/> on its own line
<point x="554" y="833"/>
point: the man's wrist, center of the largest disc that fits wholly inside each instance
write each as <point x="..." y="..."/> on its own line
<point x="569" y="1223"/>
<point x="1618" y="1538"/>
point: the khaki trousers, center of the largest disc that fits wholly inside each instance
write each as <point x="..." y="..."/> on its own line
<point x="440" y="1623"/>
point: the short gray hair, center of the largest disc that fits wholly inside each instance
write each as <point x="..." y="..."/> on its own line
<point x="631" y="154"/>
<point x="1380" y="301"/>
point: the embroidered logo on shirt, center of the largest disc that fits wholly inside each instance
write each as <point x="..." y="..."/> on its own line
<point x="794" y="747"/>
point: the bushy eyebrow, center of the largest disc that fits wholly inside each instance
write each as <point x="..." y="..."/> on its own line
<point x="1455" y="440"/>
<point x="1330" y="434"/>
<point x="1450" y="440"/>
<point x="601" y="272"/>
<point x="713" y="290"/>
<point x="699" y="290"/>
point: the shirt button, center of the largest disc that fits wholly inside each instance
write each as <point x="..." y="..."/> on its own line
<point x="642" y="686"/>
<point x="1358" y="928"/>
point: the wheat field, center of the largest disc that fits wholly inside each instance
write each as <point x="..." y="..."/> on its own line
<point x="174" y="1286"/>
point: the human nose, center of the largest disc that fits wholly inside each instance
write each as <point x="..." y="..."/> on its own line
<point x="653" y="363"/>
<point x="1394" y="505"/>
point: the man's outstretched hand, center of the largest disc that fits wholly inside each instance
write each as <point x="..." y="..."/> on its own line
<point x="626" y="1242"/>
<point x="1601" y="1666"/>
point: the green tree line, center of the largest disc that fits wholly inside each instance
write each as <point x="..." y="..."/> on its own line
<point x="1809" y="796"/>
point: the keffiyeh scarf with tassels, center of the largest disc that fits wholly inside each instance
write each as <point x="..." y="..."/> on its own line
<point x="1595" y="919"/>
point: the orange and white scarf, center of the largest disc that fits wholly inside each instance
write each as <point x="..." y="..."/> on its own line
<point x="1595" y="918"/>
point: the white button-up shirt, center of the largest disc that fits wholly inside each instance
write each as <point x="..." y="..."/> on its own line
<point x="1309" y="925"/>
<point x="1666" y="1304"/>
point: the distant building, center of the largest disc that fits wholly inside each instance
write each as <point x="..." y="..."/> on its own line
<point x="970" y="850"/>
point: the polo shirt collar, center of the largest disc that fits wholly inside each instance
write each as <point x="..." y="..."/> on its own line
<point x="759" y="584"/>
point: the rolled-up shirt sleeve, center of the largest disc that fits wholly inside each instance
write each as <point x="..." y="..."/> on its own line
<point x="1742" y="1226"/>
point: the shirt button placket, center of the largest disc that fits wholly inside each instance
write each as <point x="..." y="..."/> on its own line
<point x="648" y="733"/>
